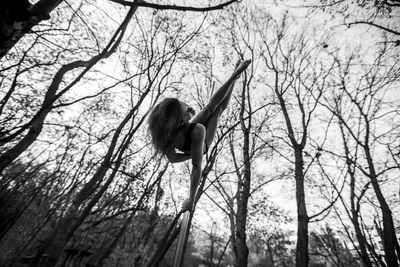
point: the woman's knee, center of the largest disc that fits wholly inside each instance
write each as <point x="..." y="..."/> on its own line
<point x="218" y="111"/>
<point x="210" y="108"/>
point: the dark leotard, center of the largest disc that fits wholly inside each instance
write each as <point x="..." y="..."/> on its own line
<point x="187" y="145"/>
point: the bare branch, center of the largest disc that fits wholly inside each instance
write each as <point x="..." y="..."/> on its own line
<point x="173" y="7"/>
<point x="375" y="25"/>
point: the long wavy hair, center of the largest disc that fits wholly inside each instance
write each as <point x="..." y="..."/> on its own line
<point x="163" y="121"/>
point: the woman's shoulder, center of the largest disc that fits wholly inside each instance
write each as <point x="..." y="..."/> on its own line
<point x="187" y="130"/>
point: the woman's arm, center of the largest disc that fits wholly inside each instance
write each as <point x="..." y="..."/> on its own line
<point x="197" y="136"/>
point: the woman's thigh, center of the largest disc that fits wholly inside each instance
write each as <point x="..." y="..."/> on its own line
<point x="211" y="128"/>
<point x="203" y="116"/>
<point x="209" y="117"/>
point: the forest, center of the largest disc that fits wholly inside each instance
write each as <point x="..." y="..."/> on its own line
<point x="303" y="171"/>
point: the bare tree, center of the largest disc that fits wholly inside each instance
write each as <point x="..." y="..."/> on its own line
<point x="35" y="125"/>
<point x="363" y="92"/>
<point x="298" y="81"/>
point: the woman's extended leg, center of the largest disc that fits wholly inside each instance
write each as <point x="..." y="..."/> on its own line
<point x="212" y="122"/>
<point x="224" y="92"/>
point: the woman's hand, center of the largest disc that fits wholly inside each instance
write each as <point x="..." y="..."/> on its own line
<point x="174" y="157"/>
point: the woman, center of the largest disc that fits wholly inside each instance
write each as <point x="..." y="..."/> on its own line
<point x="174" y="126"/>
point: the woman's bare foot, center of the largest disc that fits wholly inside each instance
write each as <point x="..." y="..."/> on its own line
<point x="187" y="205"/>
<point x="240" y="67"/>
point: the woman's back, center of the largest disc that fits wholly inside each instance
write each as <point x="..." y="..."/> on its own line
<point x="183" y="139"/>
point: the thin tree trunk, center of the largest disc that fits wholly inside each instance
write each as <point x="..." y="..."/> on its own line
<point x="271" y="255"/>
<point x="241" y="246"/>
<point x="241" y="217"/>
<point x="361" y="241"/>
<point x="302" y="257"/>
<point x="302" y="217"/>
<point x="389" y="233"/>
<point x="243" y="192"/>
<point x="223" y="252"/>
<point x="366" y="262"/>
<point x="211" y="262"/>
<point x="232" y="228"/>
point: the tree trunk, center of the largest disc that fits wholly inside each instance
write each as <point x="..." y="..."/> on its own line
<point x="12" y="29"/>
<point x="211" y="262"/>
<point x="241" y="246"/>
<point x="366" y="262"/>
<point x="361" y="241"/>
<point x="389" y="233"/>
<point x="243" y="191"/>
<point x="302" y="217"/>
<point x="355" y="208"/>
<point x="233" y="230"/>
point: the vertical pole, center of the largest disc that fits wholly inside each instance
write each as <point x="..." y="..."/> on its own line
<point x="183" y="238"/>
